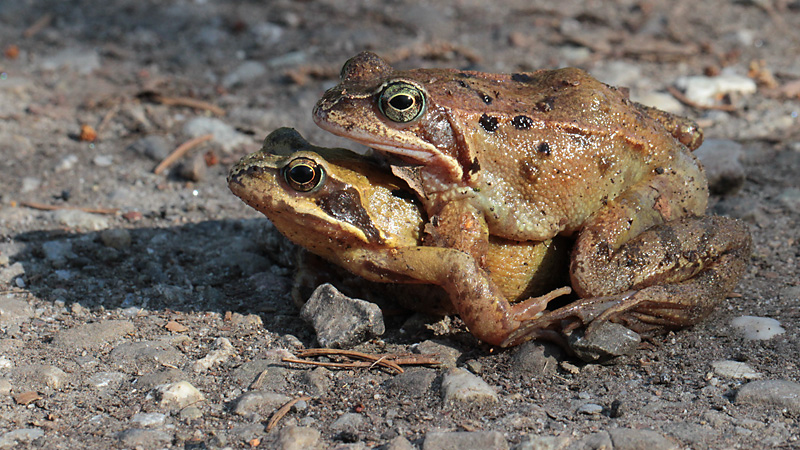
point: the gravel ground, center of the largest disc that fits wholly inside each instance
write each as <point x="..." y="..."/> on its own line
<point x="159" y="316"/>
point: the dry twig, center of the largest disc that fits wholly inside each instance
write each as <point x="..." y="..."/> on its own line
<point x="387" y="361"/>
<point x="38" y="26"/>
<point x="688" y="102"/>
<point x="180" y="151"/>
<point x="283" y="410"/>
<point x="46" y="207"/>
<point x="155" y="97"/>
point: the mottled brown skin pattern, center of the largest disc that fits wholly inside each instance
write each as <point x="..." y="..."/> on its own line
<point x="354" y="218"/>
<point x="535" y="155"/>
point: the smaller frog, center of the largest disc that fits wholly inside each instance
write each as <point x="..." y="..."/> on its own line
<point x="350" y="211"/>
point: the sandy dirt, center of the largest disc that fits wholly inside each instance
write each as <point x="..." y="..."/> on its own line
<point x="168" y="277"/>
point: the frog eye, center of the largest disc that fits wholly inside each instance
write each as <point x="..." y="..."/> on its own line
<point x="304" y="174"/>
<point x="401" y="102"/>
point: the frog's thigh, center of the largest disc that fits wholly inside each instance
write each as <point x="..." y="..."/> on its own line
<point x="677" y="271"/>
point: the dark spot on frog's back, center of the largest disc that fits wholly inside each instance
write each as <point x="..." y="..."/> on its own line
<point x="522" y="122"/>
<point x="543" y="148"/>
<point x="345" y="205"/>
<point x="529" y="171"/>
<point x="486" y="98"/>
<point x="489" y="123"/>
<point x="521" y="77"/>
<point x="545" y="105"/>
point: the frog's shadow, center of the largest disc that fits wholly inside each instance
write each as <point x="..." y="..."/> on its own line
<point x="242" y="266"/>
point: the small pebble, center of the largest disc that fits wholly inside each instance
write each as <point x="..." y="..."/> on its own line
<point x="259" y="402"/>
<point x="465" y="440"/>
<point x="535" y="442"/>
<point x="775" y="393"/>
<point x="30" y="184"/>
<point x="535" y="359"/>
<point x="341" y="321"/>
<point x="141" y="438"/>
<point x="93" y="336"/>
<point x="13" y="310"/>
<point x="244" y="73"/>
<point x="66" y="163"/>
<point x="224" y="135"/>
<point x="755" y="328"/>
<point x="153" y="146"/>
<point x="118" y="238"/>
<point x="444" y="352"/>
<point x="590" y="409"/>
<point x="459" y="385"/>
<point x="149" y="419"/>
<point x="102" y="380"/>
<point x="628" y="438"/>
<point x="14" y="438"/>
<point x="82" y="61"/>
<point x="721" y="159"/>
<point x="73" y="218"/>
<point x="103" y="160"/>
<point x="734" y="369"/>
<point x="179" y="395"/>
<point x="706" y="91"/>
<point x="191" y="413"/>
<point x="224" y="351"/>
<point x="41" y="374"/>
<point x="195" y="169"/>
<point x="298" y="438"/>
<point x="607" y="340"/>
<point x="5" y="387"/>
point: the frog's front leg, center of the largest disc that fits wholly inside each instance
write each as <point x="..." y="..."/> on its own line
<point x="477" y="299"/>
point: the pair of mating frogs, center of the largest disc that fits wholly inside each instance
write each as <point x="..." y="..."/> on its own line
<point x="502" y="167"/>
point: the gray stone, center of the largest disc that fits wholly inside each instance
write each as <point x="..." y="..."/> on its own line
<point x="5" y="387"/>
<point x="20" y="436"/>
<point x="224" y="134"/>
<point x="145" y="439"/>
<point x="705" y="90"/>
<point x="195" y="169"/>
<point x="93" y="336"/>
<point x="223" y="351"/>
<point x="149" y="419"/>
<point x="413" y="383"/>
<point x="773" y="393"/>
<point x="117" y="238"/>
<point x="153" y="146"/>
<point x="58" y="252"/>
<point x="630" y="439"/>
<point x="341" y="321"/>
<point x="590" y="409"/>
<point x="147" y="353"/>
<point x="74" y="218"/>
<point x="607" y="340"/>
<point x="104" y="380"/>
<point x="298" y="438"/>
<point x="245" y="72"/>
<point x="398" y="443"/>
<point x="734" y="369"/>
<point x="542" y="443"/>
<point x="259" y="402"/>
<point x="790" y="199"/>
<point x="348" y="424"/>
<point x="721" y="159"/>
<point x="459" y="385"/>
<point x="755" y="328"/>
<point x="178" y="395"/>
<point x="7" y="275"/>
<point x="534" y="358"/>
<point x="600" y="440"/>
<point x="465" y="440"/>
<point x="269" y="375"/>
<point x="149" y="381"/>
<point x="444" y="352"/>
<point x="13" y="311"/>
<point x="82" y="61"/>
<point x="191" y="413"/>
<point x="34" y="375"/>
<point x="317" y="381"/>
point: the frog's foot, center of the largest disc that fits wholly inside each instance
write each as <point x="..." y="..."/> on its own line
<point x="533" y="307"/>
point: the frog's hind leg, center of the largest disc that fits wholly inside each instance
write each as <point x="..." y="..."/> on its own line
<point x="684" y="268"/>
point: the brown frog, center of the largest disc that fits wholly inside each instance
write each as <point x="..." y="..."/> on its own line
<point x="343" y="207"/>
<point x="529" y="156"/>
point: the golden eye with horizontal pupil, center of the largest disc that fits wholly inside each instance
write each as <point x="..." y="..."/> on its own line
<point x="401" y="102"/>
<point x="304" y="174"/>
